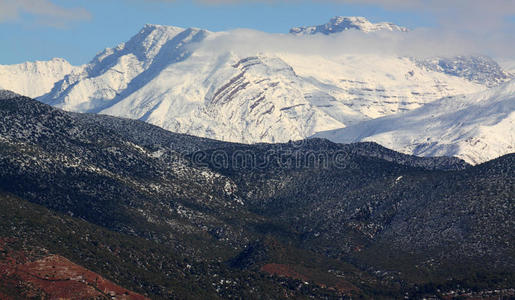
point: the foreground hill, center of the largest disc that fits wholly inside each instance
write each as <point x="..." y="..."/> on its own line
<point x="175" y="216"/>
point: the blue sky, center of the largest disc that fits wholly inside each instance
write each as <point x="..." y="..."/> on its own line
<point x="77" y="29"/>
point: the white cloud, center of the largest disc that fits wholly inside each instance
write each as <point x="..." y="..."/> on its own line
<point x="465" y="27"/>
<point x="44" y="11"/>
<point x="419" y="43"/>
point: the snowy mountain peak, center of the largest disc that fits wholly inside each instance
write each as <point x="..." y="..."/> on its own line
<point x="42" y="65"/>
<point x="159" y="27"/>
<point x="339" y="24"/>
<point x="162" y="76"/>
<point x="144" y="45"/>
<point x="116" y="72"/>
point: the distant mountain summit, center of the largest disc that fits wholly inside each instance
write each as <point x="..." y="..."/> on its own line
<point x="339" y="24"/>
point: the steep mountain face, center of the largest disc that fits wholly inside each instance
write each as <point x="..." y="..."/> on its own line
<point x="339" y="24"/>
<point x="175" y="216"/>
<point x="476" y="127"/>
<point x="34" y="79"/>
<point x="173" y="78"/>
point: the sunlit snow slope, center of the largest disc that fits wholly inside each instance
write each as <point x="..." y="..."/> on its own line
<point x="34" y="79"/>
<point x="476" y="127"/>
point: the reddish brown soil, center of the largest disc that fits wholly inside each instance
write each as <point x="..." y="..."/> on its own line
<point x="54" y="277"/>
<point x="283" y="270"/>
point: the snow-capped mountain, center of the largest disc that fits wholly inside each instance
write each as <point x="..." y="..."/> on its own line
<point x="476" y="127"/>
<point x="34" y="79"/>
<point x="173" y="78"/>
<point x="339" y="24"/>
<point x="211" y="84"/>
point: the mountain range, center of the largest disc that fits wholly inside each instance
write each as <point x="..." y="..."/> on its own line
<point x="167" y="215"/>
<point x="210" y="84"/>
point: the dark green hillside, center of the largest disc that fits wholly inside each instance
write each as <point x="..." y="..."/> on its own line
<point x="144" y="266"/>
<point x="176" y="216"/>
